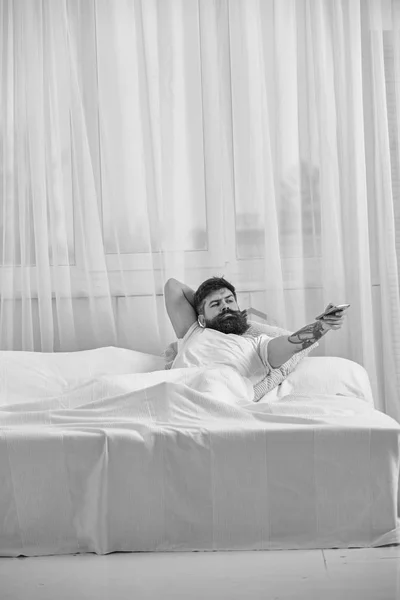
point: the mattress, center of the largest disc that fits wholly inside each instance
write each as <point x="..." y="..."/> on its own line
<point x="183" y="460"/>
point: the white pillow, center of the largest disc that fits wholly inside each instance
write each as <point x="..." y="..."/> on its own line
<point x="26" y="375"/>
<point x="327" y="375"/>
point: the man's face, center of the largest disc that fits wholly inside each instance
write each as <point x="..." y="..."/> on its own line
<point x="222" y="313"/>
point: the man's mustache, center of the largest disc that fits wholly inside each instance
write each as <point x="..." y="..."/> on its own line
<point x="235" y="313"/>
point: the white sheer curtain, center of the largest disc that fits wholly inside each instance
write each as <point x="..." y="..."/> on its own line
<point x="148" y="139"/>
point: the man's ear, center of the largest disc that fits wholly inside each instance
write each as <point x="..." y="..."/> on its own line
<point x="201" y="320"/>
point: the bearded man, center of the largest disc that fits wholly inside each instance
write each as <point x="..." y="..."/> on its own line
<point x="212" y="331"/>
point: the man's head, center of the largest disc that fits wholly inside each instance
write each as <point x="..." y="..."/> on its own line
<point x="216" y="305"/>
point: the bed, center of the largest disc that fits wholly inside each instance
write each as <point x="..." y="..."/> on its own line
<point x="105" y="451"/>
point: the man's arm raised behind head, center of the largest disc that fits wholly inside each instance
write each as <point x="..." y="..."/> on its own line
<point x="179" y="301"/>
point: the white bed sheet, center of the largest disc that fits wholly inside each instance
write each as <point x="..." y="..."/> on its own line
<point x="183" y="460"/>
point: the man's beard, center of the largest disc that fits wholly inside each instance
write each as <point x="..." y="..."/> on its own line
<point x="236" y="323"/>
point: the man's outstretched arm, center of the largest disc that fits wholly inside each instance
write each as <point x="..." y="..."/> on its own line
<point x="282" y="348"/>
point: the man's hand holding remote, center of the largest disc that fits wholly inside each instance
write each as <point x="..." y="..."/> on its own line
<point x="333" y="319"/>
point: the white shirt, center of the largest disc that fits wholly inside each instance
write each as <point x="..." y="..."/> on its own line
<point x="205" y="347"/>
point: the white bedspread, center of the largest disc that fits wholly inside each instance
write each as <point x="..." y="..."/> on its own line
<point x="184" y="460"/>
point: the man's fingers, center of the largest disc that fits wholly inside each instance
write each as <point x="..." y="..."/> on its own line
<point x="334" y="323"/>
<point x="330" y="319"/>
<point x="334" y="326"/>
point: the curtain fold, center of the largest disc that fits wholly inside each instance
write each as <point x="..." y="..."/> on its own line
<point x="146" y="139"/>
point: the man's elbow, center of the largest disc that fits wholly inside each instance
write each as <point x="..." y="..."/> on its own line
<point x="171" y="283"/>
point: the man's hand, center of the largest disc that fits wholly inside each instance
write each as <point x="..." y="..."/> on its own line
<point x="335" y="320"/>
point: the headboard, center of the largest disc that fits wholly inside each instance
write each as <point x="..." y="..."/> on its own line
<point x="257" y="313"/>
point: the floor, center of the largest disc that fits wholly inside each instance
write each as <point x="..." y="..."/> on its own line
<point x="367" y="574"/>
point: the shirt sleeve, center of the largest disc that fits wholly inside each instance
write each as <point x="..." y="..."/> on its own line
<point x="262" y="349"/>
<point x="192" y="329"/>
<point x="171" y="352"/>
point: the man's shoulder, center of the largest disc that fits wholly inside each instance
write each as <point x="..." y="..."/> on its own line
<point x="191" y="333"/>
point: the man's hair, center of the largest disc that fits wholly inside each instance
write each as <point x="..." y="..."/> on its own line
<point x="214" y="284"/>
